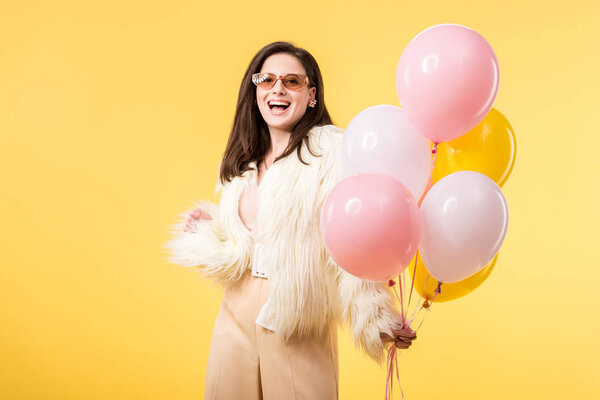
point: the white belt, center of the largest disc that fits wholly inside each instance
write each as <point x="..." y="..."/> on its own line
<point x="259" y="270"/>
<point x="258" y="265"/>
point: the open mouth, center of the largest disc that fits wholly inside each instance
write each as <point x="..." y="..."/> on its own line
<point x="278" y="107"/>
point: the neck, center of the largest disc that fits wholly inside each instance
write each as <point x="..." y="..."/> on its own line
<point x="279" y="141"/>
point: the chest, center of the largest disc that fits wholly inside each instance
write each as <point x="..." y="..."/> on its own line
<point x="279" y="207"/>
<point x="248" y="206"/>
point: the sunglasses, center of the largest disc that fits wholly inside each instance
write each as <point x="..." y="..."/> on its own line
<point x="291" y="81"/>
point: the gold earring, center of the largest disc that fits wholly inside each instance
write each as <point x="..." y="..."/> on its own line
<point x="312" y="103"/>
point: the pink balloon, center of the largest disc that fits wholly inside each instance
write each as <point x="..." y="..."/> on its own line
<point x="381" y="140"/>
<point x="371" y="226"/>
<point x="465" y="219"/>
<point x="447" y="80"/>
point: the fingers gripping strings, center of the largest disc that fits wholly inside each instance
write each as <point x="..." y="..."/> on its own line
<point x="392" y="356"/>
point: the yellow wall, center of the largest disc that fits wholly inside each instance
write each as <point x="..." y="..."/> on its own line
<point x="114" y="115"/>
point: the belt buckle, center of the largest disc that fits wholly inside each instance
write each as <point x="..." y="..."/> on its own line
<point x="257" y="262"/>
<point x="259" y="274"/>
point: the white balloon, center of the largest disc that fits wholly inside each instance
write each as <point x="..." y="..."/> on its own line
<point x="381" y="140"/>
<point x="465" y="220"/>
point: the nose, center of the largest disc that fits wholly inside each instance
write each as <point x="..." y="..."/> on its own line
<point x="279" y="87"/>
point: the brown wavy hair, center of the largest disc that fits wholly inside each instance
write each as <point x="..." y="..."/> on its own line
<point x="249" y="139"/>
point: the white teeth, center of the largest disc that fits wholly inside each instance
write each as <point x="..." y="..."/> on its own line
<point x="278" y="103"/>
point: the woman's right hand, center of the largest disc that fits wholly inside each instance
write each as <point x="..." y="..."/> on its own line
<point x="403" y="337"/>
<point x="193" y="217"/>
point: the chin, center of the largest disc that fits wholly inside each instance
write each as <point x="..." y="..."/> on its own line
<point x="283" y="125"/>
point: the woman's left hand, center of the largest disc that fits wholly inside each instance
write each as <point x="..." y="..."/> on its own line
<point x="403" y="337"/>
<point x="193" y="218"/>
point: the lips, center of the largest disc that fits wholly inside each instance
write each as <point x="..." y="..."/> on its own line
<point x="278" y="107"/>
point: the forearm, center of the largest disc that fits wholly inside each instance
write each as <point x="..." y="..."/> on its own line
<point x="207" y="248"/>
<point x="370" y="309"/>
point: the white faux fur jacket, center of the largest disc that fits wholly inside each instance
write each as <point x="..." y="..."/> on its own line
<point x="307" y="289"/>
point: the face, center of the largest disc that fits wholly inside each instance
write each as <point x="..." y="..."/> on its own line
<point x="278" y="118"/>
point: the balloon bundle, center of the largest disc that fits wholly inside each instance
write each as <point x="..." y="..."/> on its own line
<point x="393" y="208"/>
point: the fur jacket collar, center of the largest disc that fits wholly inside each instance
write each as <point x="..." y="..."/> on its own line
<point x="307" y="289"/>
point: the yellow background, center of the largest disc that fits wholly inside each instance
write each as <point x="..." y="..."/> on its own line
<point x="114" y="115"/>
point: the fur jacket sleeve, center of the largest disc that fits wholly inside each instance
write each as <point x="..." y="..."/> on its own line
<point x="213" y="247"/>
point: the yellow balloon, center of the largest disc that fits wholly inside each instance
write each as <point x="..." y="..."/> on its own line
<point x="425" y="284"/>
<point x="489" y="148"/>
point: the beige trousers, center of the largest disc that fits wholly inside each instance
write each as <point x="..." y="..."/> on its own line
<point x="247" y="361"/>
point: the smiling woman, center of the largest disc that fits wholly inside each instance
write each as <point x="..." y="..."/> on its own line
<point x="275" y="336"/>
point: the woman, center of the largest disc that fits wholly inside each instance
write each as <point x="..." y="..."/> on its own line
<point x="275" y="336"/>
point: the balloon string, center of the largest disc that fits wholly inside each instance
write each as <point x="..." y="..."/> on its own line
<point x="434" y="152"/>
<point x="402" y="300"/>
<point x="412" y="284"/>
<point x="422" y="291"/>
<point x="427" y="305"/>
<point x="425" y="284"/>
<point x="392" y="357"/>
<point x="417" y="308"/>
<point x="392" y="364"/>
<point x="404" y="285"/>
<point x="399" y="298"/>
<point x="421" y="323"/>
<point x="428" y="308"/>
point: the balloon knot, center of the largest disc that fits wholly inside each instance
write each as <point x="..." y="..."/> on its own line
<point x="391" y="283"/>
<point x="438" y="290"/>
<point x="426" y="304"/>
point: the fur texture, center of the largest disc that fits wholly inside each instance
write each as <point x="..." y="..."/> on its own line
<point x="307" y="289"/>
